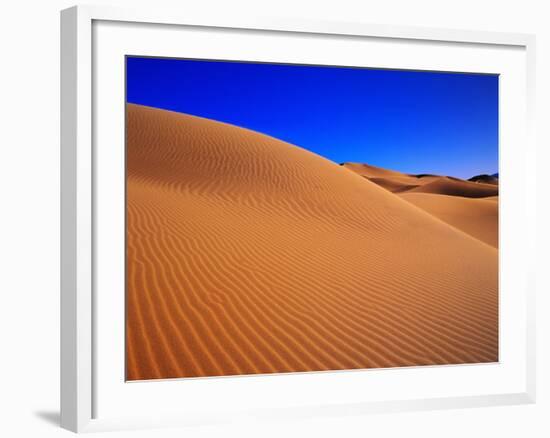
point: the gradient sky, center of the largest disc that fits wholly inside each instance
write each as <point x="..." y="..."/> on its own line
<point x="415" y="122"/>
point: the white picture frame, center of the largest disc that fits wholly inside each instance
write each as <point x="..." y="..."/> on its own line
<point x="81" y="44"/>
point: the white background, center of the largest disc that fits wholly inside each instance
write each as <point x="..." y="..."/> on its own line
<point x="29" y="219"/>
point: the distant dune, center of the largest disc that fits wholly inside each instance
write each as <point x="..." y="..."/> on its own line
<point x="487" y="179"/>
<point x="477" y="217"/>
<point x="370" y="171"/>
<point x="457" y="187"/>
<point x="447" y="198"/>
<point x="394" y="185"/>
<point x="249" y="255"/>
<point x="479" y="186"/>
<point x="390" y="179"/>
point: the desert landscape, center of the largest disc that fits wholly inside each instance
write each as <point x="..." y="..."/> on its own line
<point x="250" y="255"/>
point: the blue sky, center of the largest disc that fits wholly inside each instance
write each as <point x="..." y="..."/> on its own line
<point x="411" y="121"/>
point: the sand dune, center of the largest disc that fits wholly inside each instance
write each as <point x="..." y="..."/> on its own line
<point x="457" y="187"/>
<point x="249" y="255"/>
<point x="394" y="185"/>
<point x="477" y="217"/>
<point x="487" y="179"/>
<point x="370" y="171"/>
<point x="447" y="198"/>
<point x="398" y="182"/>
<point x="391" y="180"/>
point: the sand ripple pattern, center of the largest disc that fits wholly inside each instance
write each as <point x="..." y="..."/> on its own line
<point x="249" y="255"/>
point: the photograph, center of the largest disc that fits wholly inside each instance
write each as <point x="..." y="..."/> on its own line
<point x="290" y="218"/>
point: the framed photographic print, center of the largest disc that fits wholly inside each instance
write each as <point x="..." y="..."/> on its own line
<point x="280" y="218"/>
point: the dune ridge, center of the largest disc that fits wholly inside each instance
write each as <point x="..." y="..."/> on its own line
<point x="479" y="186"/>
<point x="458" y="202"/>
<point x="487" y="179"/>
<point x="476" y="216"/>
<point x="457" y="187"/>
<point x="249" y="255"/>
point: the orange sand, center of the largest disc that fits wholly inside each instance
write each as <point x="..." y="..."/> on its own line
<point x="477" y="217"/>
<point x="447" y="198"/>
<point x="249" y="255"/>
